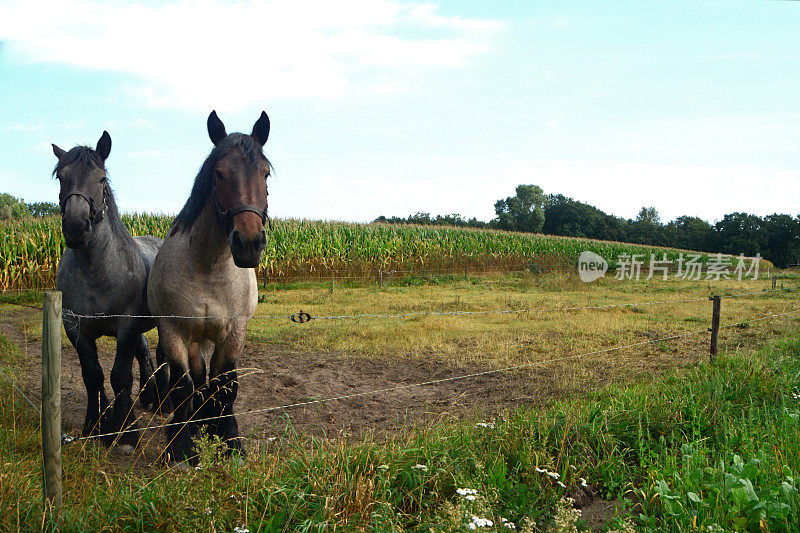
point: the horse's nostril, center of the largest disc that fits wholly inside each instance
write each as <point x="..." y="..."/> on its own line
<point x="262" y="239"/>
<point x="236" y="238"/>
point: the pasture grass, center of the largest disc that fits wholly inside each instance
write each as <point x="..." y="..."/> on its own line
<point x="696" y="447"/>
<point x="713" y="446"/>
<point x="507" y="339"/>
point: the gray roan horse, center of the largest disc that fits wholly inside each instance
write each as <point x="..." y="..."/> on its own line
<point x="104" y="271"/>
<point x="206" y="269"/>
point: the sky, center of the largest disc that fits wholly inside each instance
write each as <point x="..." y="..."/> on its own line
<point x="384" y="107"/>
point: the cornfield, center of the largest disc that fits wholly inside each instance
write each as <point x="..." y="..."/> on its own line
<point x="30" y="249"/>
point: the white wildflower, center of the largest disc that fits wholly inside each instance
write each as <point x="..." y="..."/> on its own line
<point x="566" y="516"/>
<point x="541" y="470"/>
<point x="583" y="482"/>
<point x="421" y="468"/>
<point x="470" y="497"/>
<point x="480" y="522"/>
<point x="562" y="485"/>
<point x="506" y="523"/>
<point x="242" y="529"/>
<point x="554" y="475"/>
<point x="466" y="492"/>
<point x="487" y="425"/>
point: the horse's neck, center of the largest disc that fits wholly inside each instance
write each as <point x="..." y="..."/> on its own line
<point x="105" y="248"/>
<point x="207" y="242"/>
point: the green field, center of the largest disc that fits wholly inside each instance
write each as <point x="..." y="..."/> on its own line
<point x="651" y="437"/>
<point x="30" y="249"/>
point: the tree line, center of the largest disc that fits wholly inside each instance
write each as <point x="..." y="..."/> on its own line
<point x="12" y="208"/>
<point x="775" y="237"/>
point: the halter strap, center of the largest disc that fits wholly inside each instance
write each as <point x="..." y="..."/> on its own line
<point x="94" y="216"/>
<point x="226" y="216"/>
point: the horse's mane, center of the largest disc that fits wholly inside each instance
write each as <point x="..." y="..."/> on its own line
<point x="204" y="182"/>
<point x="87" y="160"/>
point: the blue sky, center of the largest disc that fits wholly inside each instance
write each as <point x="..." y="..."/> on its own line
<point x="387" y="108"/>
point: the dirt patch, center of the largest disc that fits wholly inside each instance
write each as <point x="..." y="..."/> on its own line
<point x="273" y="376"/>
<point x="596" y="512"/>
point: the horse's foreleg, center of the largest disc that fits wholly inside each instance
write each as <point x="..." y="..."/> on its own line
<point x="122" y="383"/>
<point x="92" y="374"/>
<point x="147" y="377"/>
<point x="181" y="430"/>
<point x="223" y="388"/>
<point x="163" y="402"/>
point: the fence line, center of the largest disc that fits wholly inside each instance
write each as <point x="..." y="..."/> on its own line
<point x="302" y="317"/>
<point x="395" y="388"/>
<point x="428" y="313"/>
<point x="431" y="382"/>
<point x="19" y="391"/>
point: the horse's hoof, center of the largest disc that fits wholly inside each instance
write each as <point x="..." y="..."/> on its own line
<point x="147" y="399"/>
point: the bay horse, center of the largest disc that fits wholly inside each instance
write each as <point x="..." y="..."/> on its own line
<point x="104" y="271"/>
<point x="205" y="270"/>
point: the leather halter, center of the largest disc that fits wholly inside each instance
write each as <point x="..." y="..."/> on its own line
<point x="95" y="216"/>
<point x="226" y="216"/>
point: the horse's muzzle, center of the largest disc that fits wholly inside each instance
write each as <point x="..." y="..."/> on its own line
<point x="76" y="231"/>
<point x="247" y="252"/>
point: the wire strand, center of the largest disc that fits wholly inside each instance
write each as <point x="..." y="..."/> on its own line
<point x="435" y="381"/>
<point x="400" y="387"/>
<point x="70" y="313"/>
<point x="19" y="391"/>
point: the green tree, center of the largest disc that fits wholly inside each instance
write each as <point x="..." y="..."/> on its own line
<point x="12" y="207"/>
<point x="691" y="233"/>
<point x="649" y="215"/>
<point x="781" y="240"/>
<point x="43" y="209"/>
<point x="741" y="233"/>
<point x="522" y="212"/>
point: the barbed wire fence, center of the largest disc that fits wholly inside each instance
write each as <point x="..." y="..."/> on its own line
<point x="303" y="317"/>
<point x="52" y="452"/>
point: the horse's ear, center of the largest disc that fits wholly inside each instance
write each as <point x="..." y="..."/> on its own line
<point x="261" y="129"/>
<point x="104" y="146"/>
<point x="216" y="129"/>
<point x="58" y="151"/>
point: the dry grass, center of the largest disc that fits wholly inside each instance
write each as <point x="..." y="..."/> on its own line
<point x="297" y="482"/>
<point x="500" y="340"/>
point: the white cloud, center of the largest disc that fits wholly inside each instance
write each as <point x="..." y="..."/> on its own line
<point x="199" y="53"/>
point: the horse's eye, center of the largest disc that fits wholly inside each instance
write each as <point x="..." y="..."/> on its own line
<point x="218" y="175"/>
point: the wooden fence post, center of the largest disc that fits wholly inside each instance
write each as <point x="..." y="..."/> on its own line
<point x="714" y="329"/>
<point x="51" y="403"/>
<point x="774" y="282"/>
